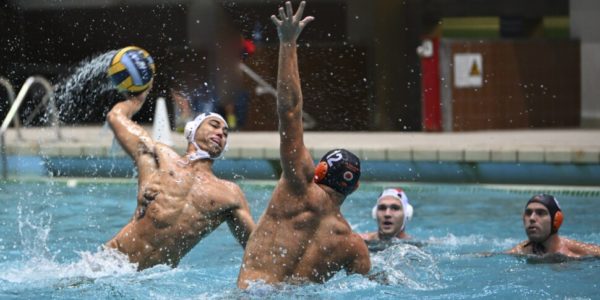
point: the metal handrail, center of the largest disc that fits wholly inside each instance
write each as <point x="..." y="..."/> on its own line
<point x="11" y="99"/>
<point x="265" y="88"/>
<point x="4" y="158"/>
<point x="13" y="116"/>
<point x="12" y="113"/>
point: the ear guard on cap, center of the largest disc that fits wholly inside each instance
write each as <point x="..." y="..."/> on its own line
<point x="340" y="170"/>
<point x="558" y="219"/>
<point x="408" y="211"/>
<point x="320" y="171"/>
<point x="551" y="203"/>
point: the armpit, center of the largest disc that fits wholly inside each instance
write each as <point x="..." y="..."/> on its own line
<point x="147" y="198"/>
<point x="144" y="147"/>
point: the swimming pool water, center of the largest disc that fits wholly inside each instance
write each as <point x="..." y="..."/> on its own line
<point x="51" y="230"/>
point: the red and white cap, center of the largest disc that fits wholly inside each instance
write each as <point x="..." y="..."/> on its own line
<point x="399" y="194"/>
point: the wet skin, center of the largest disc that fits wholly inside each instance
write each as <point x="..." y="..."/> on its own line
<point x="179" y="201"/>
<point x="390" y="218"/>
<point x="537" y="223"/>
<point x="302" y="236"/>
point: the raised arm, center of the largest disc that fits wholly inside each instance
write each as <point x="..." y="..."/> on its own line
<point x="132" y="137"/>
<point x="296" y="161"/>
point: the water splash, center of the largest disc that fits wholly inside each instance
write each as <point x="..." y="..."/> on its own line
<point x="259" y="288"/>
<point x="454" y="242"/>
<point x="408" y="265"/>
<point x="85" y="93"/>
<point x="105" y="262"/>
<point x="38" y="263"/>
<point x="339" y="284"/>
<point x="33" y="233"/>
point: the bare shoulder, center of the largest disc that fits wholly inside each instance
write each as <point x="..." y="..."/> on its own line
<point x="518" y="249"/>
<point x="320" y="200"/>
<point x="300" y="181"/>
<point x="230" y="186"/>
<point x="357" y="240"/>
<point x="309" y="196"/>
<point x="232" y="190"/>
<point x="581" y="248"/>
<point x="368" y="236"/>
<point x="165" y="154"/>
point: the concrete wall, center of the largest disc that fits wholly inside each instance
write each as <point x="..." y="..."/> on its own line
<point x="584" y="26"/>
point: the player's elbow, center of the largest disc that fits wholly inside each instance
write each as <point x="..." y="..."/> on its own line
<point x="362" y="267"/>
<point x="366" y="268"/>
<point x="112" y="116"/>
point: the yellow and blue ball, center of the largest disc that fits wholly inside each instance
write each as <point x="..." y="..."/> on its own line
<point x="131" y="70"/>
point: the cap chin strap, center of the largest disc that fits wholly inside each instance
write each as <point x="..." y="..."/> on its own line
<point x="199" y="154"/>
<point x="408" y="213"/>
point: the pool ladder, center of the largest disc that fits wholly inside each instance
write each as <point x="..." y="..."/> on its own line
<point x="12" y="114"/>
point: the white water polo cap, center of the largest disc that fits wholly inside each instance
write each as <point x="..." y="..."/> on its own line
<point x="190" y="132"/>
<point x="401" y="196"/>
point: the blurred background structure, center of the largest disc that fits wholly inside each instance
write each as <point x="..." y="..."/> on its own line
<point x="384" y="65"/>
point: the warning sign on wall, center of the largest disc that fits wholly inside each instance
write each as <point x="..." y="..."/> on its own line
<point x="468" y="70"/>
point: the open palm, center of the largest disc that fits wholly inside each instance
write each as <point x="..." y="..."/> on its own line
<point x="289" y="25"/>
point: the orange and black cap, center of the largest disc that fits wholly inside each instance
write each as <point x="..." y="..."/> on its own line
<point x="340" y="170"/>
<point x="553" y="207"/>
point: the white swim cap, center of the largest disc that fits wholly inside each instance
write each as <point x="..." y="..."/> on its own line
<point x="401" y="196"/>
<point x="190" y="132"/>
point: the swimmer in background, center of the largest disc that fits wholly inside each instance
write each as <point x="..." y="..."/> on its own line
<point x="392" y="212"/>
<point x="179" y="199"/>
<point x="542" y="219"/>
<point x="302" y="235"/>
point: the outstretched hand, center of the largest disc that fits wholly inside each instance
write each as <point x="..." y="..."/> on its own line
<point x="289" y="25"/>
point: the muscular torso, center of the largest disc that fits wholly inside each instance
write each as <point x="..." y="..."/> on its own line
<point x="302" y="234"/>
<point x="177" y="207"/>
<point x="299" y="239"/>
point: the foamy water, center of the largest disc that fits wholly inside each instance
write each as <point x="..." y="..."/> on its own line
<point x="51" y="236"/>
<point x="105" y="262"/>
<point x="406" y="265"/>
<point x="451" y="241"/>
<point x="38" y="263"/>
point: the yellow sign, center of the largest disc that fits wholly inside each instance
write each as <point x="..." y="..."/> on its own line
<point x="474" y="69"/>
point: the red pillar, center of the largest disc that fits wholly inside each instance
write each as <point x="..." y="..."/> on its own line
<point x="430" y="84"/>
